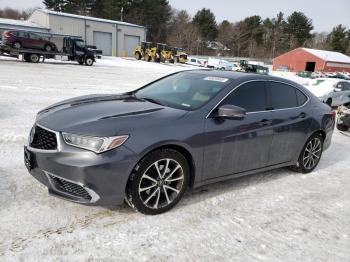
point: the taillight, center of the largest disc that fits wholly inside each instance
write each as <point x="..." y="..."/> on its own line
<point x="7" y="34"/>
<point x="333" y="114"/>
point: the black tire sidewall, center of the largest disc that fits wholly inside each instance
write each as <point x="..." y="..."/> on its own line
<point x="92" y="61"/>
<point x="34" y="61"/>
<point x="133" y="194"/>
<point x="301" y="167"/>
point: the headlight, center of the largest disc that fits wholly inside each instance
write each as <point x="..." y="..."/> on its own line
<point x="93" y="143"/>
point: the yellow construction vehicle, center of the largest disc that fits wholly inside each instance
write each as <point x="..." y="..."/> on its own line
<point x="164" y="53"/>
<point x="179" y="55"/>
<point x="146" y="51"/>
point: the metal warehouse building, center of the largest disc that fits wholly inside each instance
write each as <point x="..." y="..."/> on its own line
<point x="305" y="59"/>
<point x="114" y="38"/>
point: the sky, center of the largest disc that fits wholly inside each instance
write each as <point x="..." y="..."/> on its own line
<point x="324" y="14"/>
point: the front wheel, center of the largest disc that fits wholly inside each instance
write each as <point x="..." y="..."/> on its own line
<point x="138" y="55"/>
<point x="89" y="61"/>
<point x="17" y="45"/>
<point x="158" y="182"/>
<point x="310" y="154"/>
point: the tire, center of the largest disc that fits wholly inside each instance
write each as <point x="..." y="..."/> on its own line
<point x="151" y="192"/>
<point x="342" y="127"/>
<point x="89" y="61"/>
<point x="329" y="102"/>
<point x="48" y="48"/>
<point x="310" y="155"/>
<point x="34" y="58"/>
<point x="147" y="58"/>
<point x="138" y="56"/>
<point x="17" y="45"/>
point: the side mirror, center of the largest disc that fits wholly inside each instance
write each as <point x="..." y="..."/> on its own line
<point x="230" y="111"/>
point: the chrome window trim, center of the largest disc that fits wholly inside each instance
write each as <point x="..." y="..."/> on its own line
<point x="44" y="150"/>
<point x="255" y="112"/>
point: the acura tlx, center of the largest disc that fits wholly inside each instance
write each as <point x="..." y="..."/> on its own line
<point x="182" y="131"/>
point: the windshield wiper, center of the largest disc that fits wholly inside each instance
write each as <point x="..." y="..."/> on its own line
<point x="152" y="101"/>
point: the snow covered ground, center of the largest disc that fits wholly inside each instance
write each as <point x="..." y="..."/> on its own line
<point x="271" y="216"/>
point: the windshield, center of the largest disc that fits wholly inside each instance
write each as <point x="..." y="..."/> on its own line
<point x="79" y="43"/>
<point x="185" y="90"/>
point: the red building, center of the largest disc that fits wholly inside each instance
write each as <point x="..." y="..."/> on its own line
<point x="305" y="59"/>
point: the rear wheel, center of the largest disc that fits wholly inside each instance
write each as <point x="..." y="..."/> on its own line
<point x="16" y="45"/>
<point x="147" y="58"/>
<point x="48" y="48"/>
<point x="158" y="182"/>
<point x="329" y="101"/>
<point x="310" y="154"/>
<point x="34" y="58"/>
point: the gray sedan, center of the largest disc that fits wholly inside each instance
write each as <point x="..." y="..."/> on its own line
<point x="185" y="130"/>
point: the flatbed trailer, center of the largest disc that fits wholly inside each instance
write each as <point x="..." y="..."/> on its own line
<point x="71" y="50"/>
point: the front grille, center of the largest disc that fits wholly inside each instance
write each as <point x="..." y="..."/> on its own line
<point x="69" y="187"/>
<point x="43" y="139"/>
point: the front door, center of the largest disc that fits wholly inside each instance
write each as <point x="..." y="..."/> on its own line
<point x="238" y="145"/>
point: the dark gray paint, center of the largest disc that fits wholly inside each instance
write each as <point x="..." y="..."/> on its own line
<point x="219" y="148"/>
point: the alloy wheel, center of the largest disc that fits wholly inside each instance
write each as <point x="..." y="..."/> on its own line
<point x="312" y="153"/>
<point x="161" y="183"/>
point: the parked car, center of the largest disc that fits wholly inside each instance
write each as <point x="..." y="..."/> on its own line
<point x="23" y="39"/>
<point x="343" y="120"/>
<point x="196" y="62"/>
<point x="187" y="129"/>
<point x="332" y="91"/>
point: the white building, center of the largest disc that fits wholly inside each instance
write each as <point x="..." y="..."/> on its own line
<point x="112" y="37"/>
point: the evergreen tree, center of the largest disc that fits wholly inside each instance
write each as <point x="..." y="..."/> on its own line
<point x="205" y="20"/>
<point x="338" y="39"/>
<point x="298" y="28"/>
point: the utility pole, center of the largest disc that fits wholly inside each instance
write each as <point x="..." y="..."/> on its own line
<point x="121" y="14"/>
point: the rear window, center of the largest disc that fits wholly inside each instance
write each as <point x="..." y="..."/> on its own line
<point x="285" y="96"/>
<point x="300" y="97"/>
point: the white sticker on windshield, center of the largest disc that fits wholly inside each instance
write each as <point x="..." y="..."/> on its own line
<point x="216" y="79"/>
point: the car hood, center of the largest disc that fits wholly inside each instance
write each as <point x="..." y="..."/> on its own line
<point x="105" y="115"/>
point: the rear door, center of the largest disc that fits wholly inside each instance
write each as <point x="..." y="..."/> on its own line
<point x="291" y="121"/>
<point x="238" y="145"/>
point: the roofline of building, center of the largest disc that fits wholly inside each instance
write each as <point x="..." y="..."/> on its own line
<point x="88" y="18"/>
<point x="305" y="49"/>
<point x="37" y="27"/>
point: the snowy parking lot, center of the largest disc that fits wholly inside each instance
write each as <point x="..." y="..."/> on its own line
<point x="273" y="216"/>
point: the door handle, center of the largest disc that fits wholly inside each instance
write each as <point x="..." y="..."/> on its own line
<point x="265" y="122"/>
<point x="302" y="115"/>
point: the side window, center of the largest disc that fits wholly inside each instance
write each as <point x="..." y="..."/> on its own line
<point x="301" y="98"/>
<point x="346" y="86"/>
<point x="283" y="96"/>
<point x="250" y="96"/>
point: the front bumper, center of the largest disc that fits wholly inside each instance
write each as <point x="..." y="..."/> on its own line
<point x="82" y="176"/>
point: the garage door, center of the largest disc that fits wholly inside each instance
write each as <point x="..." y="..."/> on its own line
<point x="130" y="42"/>
<point x="103" y="41"/>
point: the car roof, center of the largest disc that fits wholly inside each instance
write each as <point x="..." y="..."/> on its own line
<point x="227" y="74"/>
